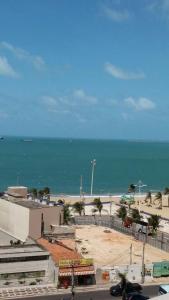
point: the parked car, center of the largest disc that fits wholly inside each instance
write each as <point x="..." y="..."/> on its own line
<point x="136" y="296"/>
<point x="116" y="290"/>
<point x="143" y="227"/>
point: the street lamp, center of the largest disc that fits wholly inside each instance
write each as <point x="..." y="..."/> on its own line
<point x="93" y="162"/>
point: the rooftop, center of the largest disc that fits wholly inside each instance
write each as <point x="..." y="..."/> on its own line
<point x="64" y="249"/>
<point x="25" y="203"/>
<point x="5" y="239"/>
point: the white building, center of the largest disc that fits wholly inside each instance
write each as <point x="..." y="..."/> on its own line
<point x="24" y="263"/>
<point x="22" y="218"/>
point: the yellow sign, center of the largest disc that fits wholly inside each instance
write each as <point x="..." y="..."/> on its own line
<point x="75" y="262"/>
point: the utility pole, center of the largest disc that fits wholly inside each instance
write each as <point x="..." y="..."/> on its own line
<point x="131" y="248"/>
<point x="143" y="267"/>
<point x="73" y="284"/>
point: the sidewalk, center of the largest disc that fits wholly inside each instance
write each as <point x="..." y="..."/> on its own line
<point x="44" y="290"/>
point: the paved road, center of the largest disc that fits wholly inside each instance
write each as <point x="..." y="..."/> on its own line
<point x="150" y="291"/>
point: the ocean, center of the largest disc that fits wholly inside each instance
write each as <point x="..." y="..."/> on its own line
<point x="59" y="164"/>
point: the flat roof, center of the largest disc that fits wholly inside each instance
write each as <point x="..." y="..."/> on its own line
<point x="26" y="203"/>
<point x="5" y="239"/>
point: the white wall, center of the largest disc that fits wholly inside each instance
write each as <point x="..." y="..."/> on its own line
<point x="14" y="219"/>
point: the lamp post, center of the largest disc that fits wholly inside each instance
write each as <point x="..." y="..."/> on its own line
<point x="93" y="162"/>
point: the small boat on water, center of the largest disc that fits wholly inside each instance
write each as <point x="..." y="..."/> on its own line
<point x="27" y="140"/>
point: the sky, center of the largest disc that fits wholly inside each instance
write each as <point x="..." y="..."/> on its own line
<point x="85" y="69"/>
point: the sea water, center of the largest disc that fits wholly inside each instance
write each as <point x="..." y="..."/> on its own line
<point x="60" y="163"/>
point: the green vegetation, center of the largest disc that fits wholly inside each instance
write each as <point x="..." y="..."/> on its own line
<point x="122" y="213"/>
<point x="135" y="215"/>
<point x="97" y="202"/>
<point x="158" y="197"/>
<point x="154" y="221"/>
<point x="78" y="207"/>
<point x="148" y="198"/>
<point x="66" y="213"/>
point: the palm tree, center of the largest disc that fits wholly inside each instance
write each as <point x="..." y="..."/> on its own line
<point x="158" y="197"/>
<point x="60" y="201"/>
<point x="135" y="215"/>
<point x="46" y="191"/>
<point x="148" y="198"/>
<point x="154" y="221"/>
<point x="122" y="213"/>
<point x="166" y="192"/>
<point x="98" y="204"/>
<point x="40" y="194"/>
<point x="132" y="188"/>
<point x="66" y="213"/>
<point x="78" y="207"/>
<point x="34" y="192"/>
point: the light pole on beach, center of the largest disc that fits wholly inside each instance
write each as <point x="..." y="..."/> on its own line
<point x="93" y="162"/>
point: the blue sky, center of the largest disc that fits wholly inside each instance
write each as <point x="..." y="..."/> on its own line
<point x="85" y="69"/>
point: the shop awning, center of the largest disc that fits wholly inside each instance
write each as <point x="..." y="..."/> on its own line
<point x="77" y="271"/>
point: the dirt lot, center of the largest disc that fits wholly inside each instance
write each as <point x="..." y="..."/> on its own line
<point x="108" y="247"/>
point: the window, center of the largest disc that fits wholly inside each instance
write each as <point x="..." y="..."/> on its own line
<point x="24" y="258"/>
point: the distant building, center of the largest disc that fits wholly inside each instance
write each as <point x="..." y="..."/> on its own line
<point x="24" y="263"/>
<point x="24" y="218"/>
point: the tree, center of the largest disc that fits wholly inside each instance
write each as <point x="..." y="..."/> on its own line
<point x="132" y="188"/>
<point x="166" y="192"/>
<point x="78" y="207"/>
<point x="154" y="221"/>
<point x="98" y="204"/>
<point x="122" y="213"/>
<point x="135" y="215"/>
<point x="34" y="192"/>
<point x="40" y="194"/>
<point x="158" y="197"/>
<point x="60" y="201"/>
<point x="66" y="213"/>
<point x="148" y="198"/>
<point x="46" y="191"/>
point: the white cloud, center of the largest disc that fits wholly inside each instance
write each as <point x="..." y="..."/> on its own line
<point x="140" y="104"/>
<point x="122" y="74"/>
<point x="116" y="15"/>
<point x="36" y="60"/>
<point x="6" y="69"/>
<point x="81" y="95"/>
<point x="160" y="7"/>
<point x="49" y="101"/>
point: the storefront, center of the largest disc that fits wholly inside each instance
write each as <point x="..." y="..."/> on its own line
<point x="79" y="271"/>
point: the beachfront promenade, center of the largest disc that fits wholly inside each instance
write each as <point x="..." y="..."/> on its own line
<point x="111" y="202"/>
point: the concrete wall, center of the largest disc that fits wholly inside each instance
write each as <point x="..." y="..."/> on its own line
<point x="14" y="219"/>
<point x="51" y="215"/>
